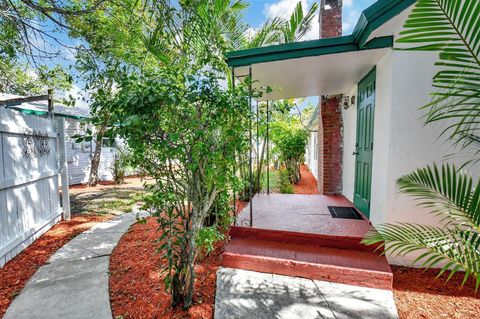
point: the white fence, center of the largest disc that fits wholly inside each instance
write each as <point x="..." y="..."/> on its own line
<point x="29" y="180"/>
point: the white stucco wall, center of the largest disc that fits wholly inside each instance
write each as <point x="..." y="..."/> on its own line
<point x="381" y="174"/>
<point x="402" y="143"/>
<point x="381" y="135"/>
<point x="312" y="158"/>
<point x="349" y="118"/>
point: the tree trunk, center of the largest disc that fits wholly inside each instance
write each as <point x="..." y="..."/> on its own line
<point x="93" y="178"/>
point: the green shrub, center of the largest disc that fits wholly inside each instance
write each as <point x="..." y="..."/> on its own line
<point x="290" y="140"/>
<point x="286" y="186"/>
<point x="120" y="166"/>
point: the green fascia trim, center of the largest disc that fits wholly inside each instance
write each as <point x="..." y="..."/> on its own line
<point x="373" y="17"/>
<point x="376" y="15"/>
<point x="303" y="49"/>
<point x="43" y="113"/>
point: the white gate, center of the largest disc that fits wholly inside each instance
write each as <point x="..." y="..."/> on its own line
<point x="29" y="180"/>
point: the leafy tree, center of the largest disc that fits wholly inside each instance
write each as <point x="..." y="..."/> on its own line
<point x="290" y="140"/>
<point x="27" y="30"/>
<point x="452" y="28"/>
<point x="177" y="118"/>
<point x="21" y="80"/>
<point x="191" y="163"/>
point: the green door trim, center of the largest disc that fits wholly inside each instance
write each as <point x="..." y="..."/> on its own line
<point x="364" y="142"/>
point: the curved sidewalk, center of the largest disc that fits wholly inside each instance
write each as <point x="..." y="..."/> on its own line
<point x="74" y="282"/>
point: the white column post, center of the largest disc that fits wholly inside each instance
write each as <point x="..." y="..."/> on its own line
<point x="63" y="168"/>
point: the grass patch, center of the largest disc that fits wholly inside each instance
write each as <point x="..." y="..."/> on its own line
<point x="274" y="181"/>
<point x="108" y="201"/>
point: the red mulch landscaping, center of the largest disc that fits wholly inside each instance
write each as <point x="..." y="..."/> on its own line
<point x="136" y="286"/>
<point x="418" y="295"/>
<point x="15" y="274"/>
<point x="137" y="291"/>
<point x="307" y="184"/>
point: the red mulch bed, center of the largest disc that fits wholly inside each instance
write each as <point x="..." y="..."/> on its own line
<point x="419" y="295"/>
<point x="137" y="291"/>
<point x="307" y="184"/>
<point x="136" y="286"/>
<point x="15" y="274"/>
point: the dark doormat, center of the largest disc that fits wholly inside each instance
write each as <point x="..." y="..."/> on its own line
<point x="344" y="212"/>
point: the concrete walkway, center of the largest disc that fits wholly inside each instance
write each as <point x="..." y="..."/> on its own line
<point x="74" y="282"/>
<point x="247" y="294"/>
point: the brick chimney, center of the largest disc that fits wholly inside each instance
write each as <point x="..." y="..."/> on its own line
<point x="330" y="18"/>
<point x="330" y="122"/>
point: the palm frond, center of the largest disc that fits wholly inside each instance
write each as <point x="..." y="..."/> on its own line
<point x="451" y="27"/>
<point x="450" y="249"/>
<point x="268" y="34"/>
<point x="449" y="193"/>
<point x="306" y="23"/>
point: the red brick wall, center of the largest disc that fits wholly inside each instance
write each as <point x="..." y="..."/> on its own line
<point x="330" y="138"/>
<point x="330" y="125"/>
<point x="330" y="18"/>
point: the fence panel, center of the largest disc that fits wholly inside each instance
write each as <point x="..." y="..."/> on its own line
<point x="29" y="170"/>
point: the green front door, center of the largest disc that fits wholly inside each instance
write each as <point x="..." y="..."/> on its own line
<point x="364" y="145"/>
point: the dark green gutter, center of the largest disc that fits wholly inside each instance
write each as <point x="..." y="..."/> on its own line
<point x="374" y="16"/>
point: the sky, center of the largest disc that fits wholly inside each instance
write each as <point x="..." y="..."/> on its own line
<point x="260" y="10"/>
<point x="256" y="14"/>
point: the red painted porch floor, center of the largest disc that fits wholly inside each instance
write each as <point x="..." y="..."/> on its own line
<point x="295" y="235"/>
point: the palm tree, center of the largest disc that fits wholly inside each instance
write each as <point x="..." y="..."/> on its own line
<point x="452" y="28"/>
<point x="279" y="30"/>
<point x="299" y="24"/>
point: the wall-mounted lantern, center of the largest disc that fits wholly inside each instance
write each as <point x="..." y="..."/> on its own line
<point x="348" y="101"/>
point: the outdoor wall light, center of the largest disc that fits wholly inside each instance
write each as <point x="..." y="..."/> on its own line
<point x="348" y="101"/>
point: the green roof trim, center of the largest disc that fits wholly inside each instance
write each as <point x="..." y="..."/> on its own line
<point x="44" y="113"/>
<point x="371" y="18"/>
<point x="376" y="15"/>
<point x="304" y="49"/>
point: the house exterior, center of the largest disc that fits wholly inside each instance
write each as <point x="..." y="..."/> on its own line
<point x="311" y="151"/>
<point x="369" y="126"/>
<point x="79" y="155"/>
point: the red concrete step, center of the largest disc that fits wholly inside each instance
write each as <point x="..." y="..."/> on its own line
<point x="311" y="239"/>
<point x="352" y="267"/>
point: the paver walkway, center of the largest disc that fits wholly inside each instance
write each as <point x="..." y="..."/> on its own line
<point x="74" y="282"/>
<point x="246" y="294"/>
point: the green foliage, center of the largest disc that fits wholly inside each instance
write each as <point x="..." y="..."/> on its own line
<point x="285" y="183"/>
<point x="290" y="140"/>
<point x="120" y="165"/>
<point x="154" y="71"/>
<point x="279" y="30"/>
<point x="20" y="80"/>
<point x="452" y="196"/>
<point x="451" y="27"/>
<point x="191" y="163"/>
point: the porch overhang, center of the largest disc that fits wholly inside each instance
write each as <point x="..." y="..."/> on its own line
<point x="312" y="68"/>
<point x="325" y="66"/>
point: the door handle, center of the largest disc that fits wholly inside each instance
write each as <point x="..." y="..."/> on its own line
<point x="355" y="153"/>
